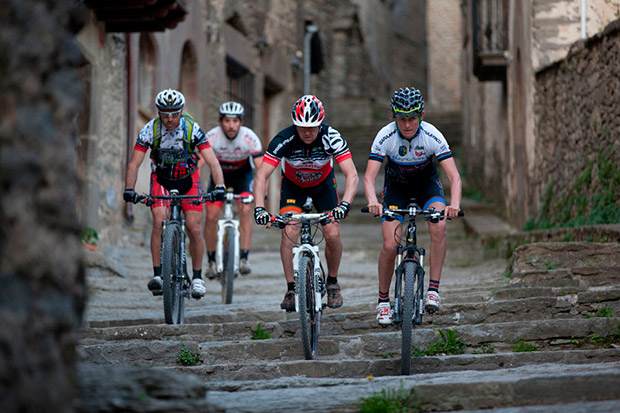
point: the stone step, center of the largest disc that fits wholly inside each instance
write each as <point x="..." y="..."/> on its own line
<point x="390" y="366"/>
<point x="545" y="334"/>
<point x="533" y="384"/>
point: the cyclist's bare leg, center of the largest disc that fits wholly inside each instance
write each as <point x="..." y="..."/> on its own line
<point x="213" y="214"/>
<point x="159" y="214"/>
<point x="387" y="255"/>
<point x="246" y="221"/>
<point x="194" y="231"/>
<point x="333" y="250"/>
<point x="289" y="234"/>
<point x="438" y="244"/>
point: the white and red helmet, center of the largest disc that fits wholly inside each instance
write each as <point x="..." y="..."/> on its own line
<point x="308" y="111"/>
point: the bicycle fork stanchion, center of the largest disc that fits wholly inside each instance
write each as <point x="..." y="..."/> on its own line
<point x="222" y="226"/>
<point x="297" y="253"/>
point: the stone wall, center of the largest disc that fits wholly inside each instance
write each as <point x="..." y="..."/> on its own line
<point x="43" y="292"/>
<point x="578" y="145"/>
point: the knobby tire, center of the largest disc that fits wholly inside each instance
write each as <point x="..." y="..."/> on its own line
<point x="305" y="297"/>
<point x="228" y="273"/>
<point x="409" y="272"/>
<point x="171" y="274"/>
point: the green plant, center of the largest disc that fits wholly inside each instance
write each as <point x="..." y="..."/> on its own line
<point x="187" y="357"/>
<point x="259" y="333"/>
<point x="507" y="274"/>
<point x="89" y="236"/>
<point x="485" y="348"/>
<point x="449" y="343"/>
<point x="392" y="400"/>
<point x="601" y="312"/>
<point x="522" y="347"/>
<point x="388" y="355"/>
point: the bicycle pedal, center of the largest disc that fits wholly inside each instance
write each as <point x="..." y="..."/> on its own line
<point x="323" y="306"/>
<point x="158" y="292"/>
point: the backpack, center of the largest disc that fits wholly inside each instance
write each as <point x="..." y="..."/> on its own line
<point x="190" y="160"/>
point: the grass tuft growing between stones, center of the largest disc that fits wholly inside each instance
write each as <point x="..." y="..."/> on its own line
<point x="394" y="400"/>
<point x="448" y="343"/>
<point x="260" y="334"/>
<point x="523" y="347"/>
<point x="187" y="357"/>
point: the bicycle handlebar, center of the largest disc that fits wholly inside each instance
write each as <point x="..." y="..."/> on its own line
<point x="430" y="214"/>
<point x="280" y="221"/>
<point x="149" y="199"/>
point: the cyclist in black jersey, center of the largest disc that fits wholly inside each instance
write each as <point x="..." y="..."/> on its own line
<point x="307" y="150"/>
<point x="409" y="145"/>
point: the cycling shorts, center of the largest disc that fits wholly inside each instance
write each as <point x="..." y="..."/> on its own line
<point x="158" y="189"/>
<point x="425" y="193"/>
<point x="324" y="195"/>
<point x="240" y="181"/>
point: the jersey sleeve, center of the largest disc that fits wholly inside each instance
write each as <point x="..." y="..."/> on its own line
<point x="377" y="150"/>
<point x="337" y="145"/>
<point x="276" y="150"/>
<point x="145" y="137"/>
<point x="199" y="139"/>
<point x="441" y="149"/>
<point x="253" y="142"/>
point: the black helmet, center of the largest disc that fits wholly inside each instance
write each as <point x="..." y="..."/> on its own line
<point x="407" y="102"/>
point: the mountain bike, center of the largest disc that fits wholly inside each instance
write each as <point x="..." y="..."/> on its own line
<point x="409" y="273"/>
<point x="227" y="248"/>
<point x="176" y="281"/>
<point x="308" y="274"/>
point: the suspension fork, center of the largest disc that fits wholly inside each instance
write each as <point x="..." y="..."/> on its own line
<point x="313" y="250"/>
<point x="222" y="225"/>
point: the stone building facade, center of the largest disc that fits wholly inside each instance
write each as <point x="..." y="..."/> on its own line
<point x="506" y="44"/>
<point x="244" y="50"/>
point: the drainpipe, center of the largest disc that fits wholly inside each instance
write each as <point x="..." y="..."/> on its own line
<point x="310" y="30"/>
<point x="130" y="116"/>
<point x="583" y="19"/>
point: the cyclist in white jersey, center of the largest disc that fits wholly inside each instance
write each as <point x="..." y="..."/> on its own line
<point x="238" y="150"/>
<point x="408" y="145"/>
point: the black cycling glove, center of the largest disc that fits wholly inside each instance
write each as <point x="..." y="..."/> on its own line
<point x="341" y="211"/>
<point x="130" y="196"/>
<point x="219" y="192"/>
<point x="261" y="216"/>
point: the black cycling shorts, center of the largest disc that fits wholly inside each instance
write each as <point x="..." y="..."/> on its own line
<point x="425" y="193"/>
<point x="240" y="181"/>
<point x="324" y="195"/>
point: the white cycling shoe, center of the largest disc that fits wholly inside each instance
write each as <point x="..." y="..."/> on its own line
<point x="211" y="270"/>
<point x="432" y="302"/>
<point x="384" y="314"/>
<point x="198" y="288"/>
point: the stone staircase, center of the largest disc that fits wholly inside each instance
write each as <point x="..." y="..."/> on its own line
<point x="560" y="299"/>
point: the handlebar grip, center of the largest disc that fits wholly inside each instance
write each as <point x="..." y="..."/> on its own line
<point x="461" y="213"/>
<point x="365" y="210"/>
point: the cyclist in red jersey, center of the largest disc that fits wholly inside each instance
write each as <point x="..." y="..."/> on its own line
<point x="174" y="137"/>
<point x="307" y="150"/>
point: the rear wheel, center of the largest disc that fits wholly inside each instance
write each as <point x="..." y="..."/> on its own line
<point x="306" y="306"/>
<point x="228" y="274"/>
<point x="172" y="275"/>
<point x="409" y="271"/>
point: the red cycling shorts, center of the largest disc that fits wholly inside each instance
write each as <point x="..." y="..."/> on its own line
<point x="158" y="189"/>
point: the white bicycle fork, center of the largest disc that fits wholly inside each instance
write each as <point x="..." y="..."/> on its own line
<point x="314" y="250"/>
<point x="222" y="224"/>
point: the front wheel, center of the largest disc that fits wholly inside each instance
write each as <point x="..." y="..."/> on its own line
<point x="228" y="274"/>
<point x="172" y="274"/>
<point x="409" y="272"/>
<point x="307" y="309"/>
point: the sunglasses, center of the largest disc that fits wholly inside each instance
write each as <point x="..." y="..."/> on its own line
<point x="165" y="115"/>
<point x="406" y="113"/>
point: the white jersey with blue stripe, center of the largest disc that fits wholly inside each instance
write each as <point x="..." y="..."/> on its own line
<point x="409" y="161"/>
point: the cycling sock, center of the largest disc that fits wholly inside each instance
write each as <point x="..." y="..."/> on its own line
<point x="197" y="274"/>
<point x="433" y="286"/>
<point x="156" y="271"/>
<point x="332" y="280"/>
<point x="290" y="286"/>
<point x="244" y="254"/>
<point x="211" y="255"/>
<point x="384" y="297"/>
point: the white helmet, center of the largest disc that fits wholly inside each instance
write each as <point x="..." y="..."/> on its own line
<point x="169" y="99"/>
<point x="308" y="111"/>
<point x="231" y="109"/>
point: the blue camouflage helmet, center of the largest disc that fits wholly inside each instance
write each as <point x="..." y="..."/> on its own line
<point x="407" y="102"/>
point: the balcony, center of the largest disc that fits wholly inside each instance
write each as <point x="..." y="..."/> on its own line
<point x="138" y="15"/>
<point x="490" y="39"/>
